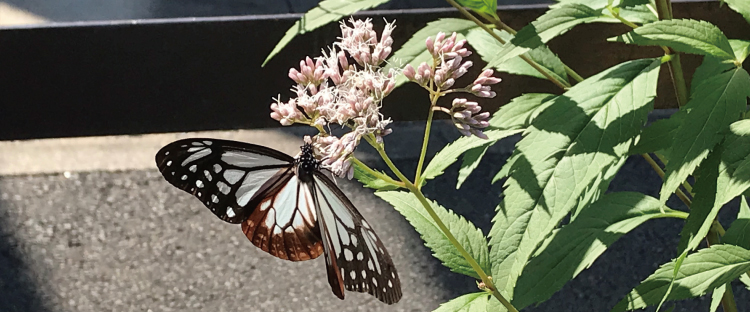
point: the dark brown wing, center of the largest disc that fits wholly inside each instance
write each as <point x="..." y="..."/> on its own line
<point x="284" y="223"/>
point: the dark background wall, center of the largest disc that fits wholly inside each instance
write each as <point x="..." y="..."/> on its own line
<point x="146" y="76"/>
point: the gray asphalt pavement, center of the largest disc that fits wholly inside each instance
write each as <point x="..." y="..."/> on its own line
<point x="129" y="241"/>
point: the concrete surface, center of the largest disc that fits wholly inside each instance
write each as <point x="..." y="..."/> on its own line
<point x="122" y="239"/>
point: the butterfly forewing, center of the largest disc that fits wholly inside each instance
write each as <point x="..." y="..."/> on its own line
<point x="225" y="175"/>
<point x="356" y="258"/>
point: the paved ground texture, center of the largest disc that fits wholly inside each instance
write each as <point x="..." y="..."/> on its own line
<point x="126" y="240"/>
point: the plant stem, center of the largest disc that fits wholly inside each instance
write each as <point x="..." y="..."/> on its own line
<point x="660" y="172"/>
<point x="664" y="10"/>
<point x="423" y="152"/>
<point x="423" y="200"/>
<point x="379" y="175"/>
<point x="562" y="84"/>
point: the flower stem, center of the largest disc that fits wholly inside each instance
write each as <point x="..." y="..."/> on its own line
<point x="423" y="152"/>
<point x="562" y="84"/>
<point x="423" y="200"/>
<point x="379" y="175"/>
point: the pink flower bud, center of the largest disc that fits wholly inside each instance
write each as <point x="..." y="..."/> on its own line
<point x="408" y="72"/>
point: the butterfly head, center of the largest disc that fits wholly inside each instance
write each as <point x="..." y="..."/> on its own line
<point x="306" y="162"/>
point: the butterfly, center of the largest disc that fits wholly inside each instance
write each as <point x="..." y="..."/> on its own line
<point x="287" y="206"/>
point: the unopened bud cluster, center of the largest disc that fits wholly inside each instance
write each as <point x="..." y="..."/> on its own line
<point x="468" y="119"/>
<point x="331" y="90"/>
<point x="447" y="66"/>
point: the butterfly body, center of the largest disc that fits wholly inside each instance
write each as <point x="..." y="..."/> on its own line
<point x="286" y="206"/>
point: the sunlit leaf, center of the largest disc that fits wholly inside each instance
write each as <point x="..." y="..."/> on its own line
<point x="464" y="231"/>
<point x="557" y="162"/>
<point x="701" y="272"/>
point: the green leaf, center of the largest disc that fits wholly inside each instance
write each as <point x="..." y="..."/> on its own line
<point x="738" y="233"/>
<point x="487" y="47"/>
<point x="518" y="114"/>
<point x="741" y="49"/>
<point x="639" y="14"/>
<point x="683" y="35"/>
<point x="414" y="51"/>
<point x="716" y="297"/>
<point x="740" y="6"/>
<point x="483" y="6"/>
<point x="521" y="110"/>
<point x="724" y="175"/>
<point x="371" y="181"/>
<point x="450" y="153"/>
<point x="464" y="231"/>
<point x="745" y="279"/>
<point x="557" y="162"/>
<point x="577" y="245"/>
<point x="716" y="104"/>
<point x="469" y="162"/>
<point x="601" y="4"/>
<point x="473" y="302"/>
<point x="555" y="22"/>
<point x="326" y="12"/>
<point x="701" y="272"/>
<point x="658" y="136"/>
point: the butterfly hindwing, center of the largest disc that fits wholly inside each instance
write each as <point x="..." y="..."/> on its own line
<point x="284" y="223"/>
<point x="224" y="175"/>
<point x="356" y="258"/>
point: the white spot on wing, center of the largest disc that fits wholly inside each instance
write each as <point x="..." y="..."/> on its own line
<point x="217" y="168"/>
<point x="208" y="175"/>
<point x="230" y="212"/>
<point x="249" y="160"/>
<point x="223" y="187"/>
<point x="207" y="142"/>
<point x="214" y="198"/>
<point x="344" y="236"/>
<point x="307" y="205"/>
<point x="285" y="202"/>
<point x="199" y="183"/>
<point x="233" y="175"/>
<point x="251" y="184"/>
<point x="360" y="256"/>
<point x="169" y="162"/>
<point x="354" y="240"/>
<point x="348" y="255"/>
<point x="193" y="168"/>
<point x="197" y="155"/>
<point x="342" y="212"/>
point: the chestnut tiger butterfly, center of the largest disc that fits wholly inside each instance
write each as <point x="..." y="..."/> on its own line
<point x="287" y="206"/>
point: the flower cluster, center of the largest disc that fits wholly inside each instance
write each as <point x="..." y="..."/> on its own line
<point x="447" y="66"/>
<point x="330" y="90"/>
<point x="468" y="119"/>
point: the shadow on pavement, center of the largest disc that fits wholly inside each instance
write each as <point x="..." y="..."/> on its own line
<point x="19" y="290"/>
